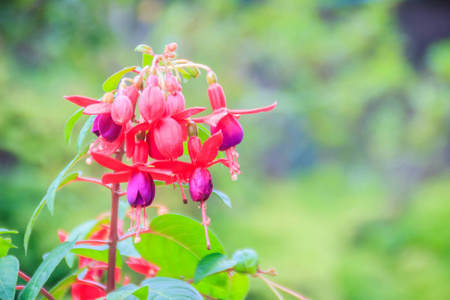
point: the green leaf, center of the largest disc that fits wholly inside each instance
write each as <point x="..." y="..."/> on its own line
<point x="44" y="271"/>
<point x="176" y="244"/>
<point x="222" y="197"/>
<point x="59" y="181"/>
<point x="147" y="60"/>
<point x="212" y="264"/>
<point x="193" y="71"/>
<point x="60" y="289"/>
<point x="124" y="292"/>
<point x="247" y="261"/>
<point x="9" y="270"/>
<point x="70" y="123"/>
<point x="239" y="286"/>
<point x="4" y="230"/>
<point x="143" y="48"/>
<point x="203" y="133"/>
<point x="170" y="289"/>
<point x="99" y="253"/>
<point x="113" y="81"/>
<point x="84" y="131"/>
<point x="5" y="245"/>
<point x="126" y="248"/>
<point x="184" y="73"/>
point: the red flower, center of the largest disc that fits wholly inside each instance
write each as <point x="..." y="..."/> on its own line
<point x="225" y="120"/>
<point x="142" y="266"/>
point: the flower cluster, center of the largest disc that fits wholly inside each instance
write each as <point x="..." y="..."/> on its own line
<point x="146" y="119"/>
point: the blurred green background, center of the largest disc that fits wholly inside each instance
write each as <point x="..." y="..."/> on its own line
<point x="345" y="186"/>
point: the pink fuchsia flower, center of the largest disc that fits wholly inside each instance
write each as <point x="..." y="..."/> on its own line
<point x="196" y="172"/>
<point x="226" y="120"/>
<point x="141" y="266"/>
<point x="87" y="289"/>
<point x="141" y="187"/>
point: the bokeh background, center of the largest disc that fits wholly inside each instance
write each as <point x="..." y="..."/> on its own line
<point x="345" y="186"/>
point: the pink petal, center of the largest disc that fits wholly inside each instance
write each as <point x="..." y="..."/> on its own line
<point x="210" y="149"/>
<point x="213" y="118"/>
<point x="188" y="113"/>
<point x="110" y="162"/>
<point x="252" y="111"/>
<point x="116" y="177"/>
<point x="98" y="109"/>
<point x="130" y="137"/>
<point x="81" y="100"/>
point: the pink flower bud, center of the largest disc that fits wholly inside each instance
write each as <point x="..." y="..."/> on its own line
<point x="232" y="132"/>
<point x="122" y="110"/>
<point x="172" y="47"/>
<point x="169" y="138"/>
<point x="152" y="80"/>
<point x="152" y="148"/>
<point x="216" y="96"/>
<point x="174" y="104"/>
<point x="172" y="84"/>
<point x="200" y="184"/>
<point x="152" y="104"/>
<point x="133" y="93"/>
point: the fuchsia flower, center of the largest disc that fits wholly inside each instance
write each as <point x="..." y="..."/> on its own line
<point x="142" y="266"/>
<point x="226" y="120"/>
<point x="196" y="172"/>
<point x="141" y="187"/>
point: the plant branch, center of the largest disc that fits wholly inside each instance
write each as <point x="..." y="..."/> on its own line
<point x="269" y="284"/>
<point x="43" y="291"/>
<point x="113" y="236"/>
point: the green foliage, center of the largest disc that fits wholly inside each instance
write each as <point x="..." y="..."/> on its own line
<point x="147" y="59"/>
<point x="247" y="261"/>
<point x="113" y="81"/>
<point x="44" y="271"/>
<point x="9" y="268"/>
<point x="84" y="131"/>
<point x="70" y="123"/>
<point x="223" y="197"/>
<point x="99" y="253"/>
<point x="212" y="264"/>
<point x="5" y="243"/>
<point x="157" y="288"/>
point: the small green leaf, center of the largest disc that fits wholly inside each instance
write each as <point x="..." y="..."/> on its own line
<point x="247" y="261"/>
<point x="239" y="286"/>
<point x="59" y="181"/>
<point x="4" y="230"/>
<point x="9" y="270"/>
<point x="170" y="289"/>
<point x="5" y="245"/>
<point x="222" y="197"/>
<point x="143" y="48"/>
<point x="203" y="133"/>
<point x="84" y="131"/>
<point x="44" y="271"/>
<point x="147" y="60"/>
<point x="193" y="71"/>
<point x="99" y="253"/>
<point x="184" y="73"/>
<point x="113" y="81"/>
<point x="212" y="264"/>
<point x="71" y="123"/>
<point x="126" y="248"/>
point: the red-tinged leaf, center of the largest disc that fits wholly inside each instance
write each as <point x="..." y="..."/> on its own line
<point x="98" y="109"/>
<point x="110" y="162"/>
<point x="188" y="113"/>
<point x="81" y="100"/>
<point x="252" y="111"/>
<point x="116" y="177"/>
<point x="213" y="118"/>
<point x="210" y="149"/>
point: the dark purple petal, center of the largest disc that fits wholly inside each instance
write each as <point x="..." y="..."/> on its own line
<point x="141" y="189"/>
<point x="133" y="189"/>
<point x="232" y="132"/>
<point x="109" y="130"/>
<point x="94" y="129"/>
<point x="200" y="184"/>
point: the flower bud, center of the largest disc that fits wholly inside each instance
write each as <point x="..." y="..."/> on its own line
<point x="175" y="103"/>
<point x="231" y="130"/>
<point x="140" y="189"/>
<point x="153" y="151"/>
<point x="172" y="84"/>
<point x="108" y="129"/>
<point x="216" y="96"/>
<point x="172" y="47"/>
<point x="152" y="104"/>
<point x="152" y="80"/>
<point x="122" y="110"/>
<point x="132" y="92"/>
<point x="108" y="97"/>
<point x="169" y="138"/>
<point x="200" y="184"/>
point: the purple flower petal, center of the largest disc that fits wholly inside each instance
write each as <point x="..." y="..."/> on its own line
<point x="232" y="132"/>
<point x="109" y="130"/>
<point x="200" y="184"/>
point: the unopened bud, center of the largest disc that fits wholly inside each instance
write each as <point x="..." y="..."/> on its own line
<point x="211" y="77"/>
<point x="172" y="47"/>
<point x="89" y="160"/>
<point x="108" y="97"/>
<point x="192" y="129"/>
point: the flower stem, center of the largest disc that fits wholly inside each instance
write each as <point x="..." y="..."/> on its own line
<point x="27" y="279"/>
<point x="113" y="236"/>
<point x="269" y="284"/>
<point x="205" y="223"/>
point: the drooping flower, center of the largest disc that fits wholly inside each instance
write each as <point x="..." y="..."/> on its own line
<point x="142" y="266"/>
<point x="226" y="120"/>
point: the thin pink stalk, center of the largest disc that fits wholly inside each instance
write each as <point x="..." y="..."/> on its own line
<point x="43" y="291"/>
<point x="269" y="284"/>
<point x="205" y="224"/>
<point x="286" y="290"/>
<point x="100" y="242"/>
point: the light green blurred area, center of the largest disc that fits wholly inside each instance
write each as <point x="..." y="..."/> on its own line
<point x="345" y="185"/>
